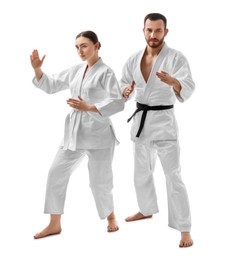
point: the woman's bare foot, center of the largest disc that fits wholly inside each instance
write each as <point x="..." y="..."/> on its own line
<point x="48" y="231"/>
<point x="53" y="228"/>
<point x="186" y="240"/>
<point x="112" y="223"/>
<point x="137" y="216"/>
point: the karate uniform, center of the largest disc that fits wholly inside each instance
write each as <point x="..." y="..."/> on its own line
<point x="159" y="136"/>
<point x="86" y="133"/>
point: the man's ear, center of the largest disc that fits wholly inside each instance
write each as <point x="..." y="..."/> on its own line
<point x="166" y="31"/>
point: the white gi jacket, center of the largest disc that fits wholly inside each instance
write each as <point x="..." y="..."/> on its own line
<point x="87" y="130"/>
<point x="159" y="125"/>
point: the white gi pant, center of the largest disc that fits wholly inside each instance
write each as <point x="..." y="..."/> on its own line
<point x="178" y="204"/>
<point x="100" y="177"/>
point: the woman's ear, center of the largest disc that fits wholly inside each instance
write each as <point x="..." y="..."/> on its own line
<point x="98" y="45"/>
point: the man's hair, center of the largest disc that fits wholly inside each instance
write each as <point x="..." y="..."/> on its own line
<point x="155" y="17"/>
<point x="91" y="36"/>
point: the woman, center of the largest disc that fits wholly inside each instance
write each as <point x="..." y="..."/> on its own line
<point x="88" y="130"/>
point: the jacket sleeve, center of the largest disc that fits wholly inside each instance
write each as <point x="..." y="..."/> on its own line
<point x="54" y="83"/>
<point x="183" y="74"/>
<point x="114" y="102"/>
<point x="126" y="79"/>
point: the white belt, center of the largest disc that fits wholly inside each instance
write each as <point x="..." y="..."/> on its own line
<point x="72" y="122"/>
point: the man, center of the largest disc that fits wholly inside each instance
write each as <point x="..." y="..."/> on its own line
<point x="159" y="75"/>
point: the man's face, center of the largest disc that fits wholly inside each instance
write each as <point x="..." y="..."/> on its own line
<point x="154" y="32"/>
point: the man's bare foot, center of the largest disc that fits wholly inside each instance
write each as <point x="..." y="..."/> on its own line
<point x="186" y="240"/>
<point x="112" y="223"/>
<point x="137" y="216"/>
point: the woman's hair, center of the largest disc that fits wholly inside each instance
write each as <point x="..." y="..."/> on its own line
<point x="155" y="17"/>
<point x="91" y="36"/>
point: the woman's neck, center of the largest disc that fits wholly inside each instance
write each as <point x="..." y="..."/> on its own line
<point x="92" y="61"/>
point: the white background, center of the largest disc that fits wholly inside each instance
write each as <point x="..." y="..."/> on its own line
<point x="32" y="125"/>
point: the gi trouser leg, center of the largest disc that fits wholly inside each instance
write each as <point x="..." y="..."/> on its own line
<point x="144" y="164"/>
<point x="100" y="175"/>
<point x="101" y="179"/>
<point x="178" y="204"/>
<point x="65" y="162"/>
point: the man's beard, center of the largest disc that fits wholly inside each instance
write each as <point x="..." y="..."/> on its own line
<point x="155" y="44"/>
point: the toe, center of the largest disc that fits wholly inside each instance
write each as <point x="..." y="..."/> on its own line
<point x="38" y="235"/>
<point x="189" y="243"/>
<point x="112" y="228"/>
<point x="186" y="243"/>
<point x="181" y="244"/>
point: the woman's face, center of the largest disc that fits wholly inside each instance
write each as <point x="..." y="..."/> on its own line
<point x="86" y="49"/>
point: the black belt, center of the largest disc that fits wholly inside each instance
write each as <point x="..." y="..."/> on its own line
<point x="145" y="109"/>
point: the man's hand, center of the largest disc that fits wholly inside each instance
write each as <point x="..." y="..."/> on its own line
<point x="166" y="78"/>
<point x="127" y="91"/>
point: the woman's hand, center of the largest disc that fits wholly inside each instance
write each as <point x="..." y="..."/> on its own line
<point x="36" y="62"/>
<point x="81" y="105"/>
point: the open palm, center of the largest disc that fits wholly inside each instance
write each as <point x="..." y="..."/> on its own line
<point x="36" y="62"/>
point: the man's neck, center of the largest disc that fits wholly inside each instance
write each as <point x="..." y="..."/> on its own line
<point x="154" y="51"/>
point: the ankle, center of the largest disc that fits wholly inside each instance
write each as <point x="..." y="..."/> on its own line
<point x="185" y="233"/>
<point x="111" y="216"/>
